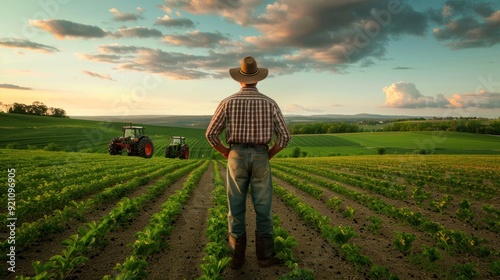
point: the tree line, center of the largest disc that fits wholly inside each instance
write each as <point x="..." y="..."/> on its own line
<point x="481" y="126"/>
<point x="37" y="109"/>
<point x="460" y="125"/>
<point x="323" y="128"/>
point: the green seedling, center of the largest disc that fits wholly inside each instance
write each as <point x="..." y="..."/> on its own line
<point x="375" y="225"/>
<point x="403" y="241"/>
<point x="431" y="253"/>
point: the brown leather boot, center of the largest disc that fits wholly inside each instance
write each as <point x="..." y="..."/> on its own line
<point x="264" y="247"/>
<point x="237" y="247"/>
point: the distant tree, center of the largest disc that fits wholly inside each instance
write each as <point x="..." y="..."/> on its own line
<point x="296" y="152"/>
<point x="52" y="147"/>
<point x="32" y="147"/>
<point x="37" y="108"/>
<point x="473" y="126"/>
<point x="13" y="145"/>
<point x="58" y="112"/>
<point x="18" y="108"/>
<point x="495" y="127"/>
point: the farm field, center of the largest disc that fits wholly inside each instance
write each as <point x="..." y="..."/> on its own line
<point x="88" y="136"/>
<point x="33" y="132"/>
<point x="94" y="216"/>
<point x="366" y="143"/>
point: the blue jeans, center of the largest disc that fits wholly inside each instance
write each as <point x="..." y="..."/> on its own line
<point x="249" y="166"/>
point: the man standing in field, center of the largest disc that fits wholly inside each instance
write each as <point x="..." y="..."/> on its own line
<point x="251" y="120"/>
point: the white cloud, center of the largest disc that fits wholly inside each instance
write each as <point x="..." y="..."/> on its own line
<point x="467" y="24"/>
<point x="169" y="22"/>
<point x="481" y="99"/>
<point x="140" y="32"/>
<point x="120" y="16"/>
<point x="197" y="39"/>
<point x="26" y="44"/>
<point x="237" y="11"/>
<point x="11" y="86"/>
<point x="96" y="75"/>
<point x="61" y="28"/>
<point x="326" y="32"/>
<point x="406" y="95"/>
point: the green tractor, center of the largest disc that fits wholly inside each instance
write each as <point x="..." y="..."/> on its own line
<point x="177" y="148"/>
<point x="134" y="141"/>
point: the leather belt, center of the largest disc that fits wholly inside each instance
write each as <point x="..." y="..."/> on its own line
<point x="250" y="145"/>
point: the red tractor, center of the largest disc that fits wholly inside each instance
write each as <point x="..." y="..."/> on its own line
<point x="134" y="141"/>
<point x="177" y="148"/>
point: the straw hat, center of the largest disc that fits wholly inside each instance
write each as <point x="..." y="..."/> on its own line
<point x="248" y="73"/>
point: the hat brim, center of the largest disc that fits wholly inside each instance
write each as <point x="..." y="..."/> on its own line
<point x="248" y="79"/>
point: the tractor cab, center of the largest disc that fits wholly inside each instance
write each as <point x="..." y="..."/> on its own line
<point x="132" y="132"/>
<point x="178" y="140"/>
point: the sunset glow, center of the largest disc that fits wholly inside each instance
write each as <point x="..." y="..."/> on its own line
<point x="417" y="58"/>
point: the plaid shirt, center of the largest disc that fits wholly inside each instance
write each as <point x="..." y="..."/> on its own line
<point x="248" y="117"/>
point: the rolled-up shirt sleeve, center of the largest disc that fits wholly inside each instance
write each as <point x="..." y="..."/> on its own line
<point x="216" y="126"/>
<point x="281" y="129"/>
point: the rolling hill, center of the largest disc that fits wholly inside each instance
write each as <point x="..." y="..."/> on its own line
<point x="78" y="135"/>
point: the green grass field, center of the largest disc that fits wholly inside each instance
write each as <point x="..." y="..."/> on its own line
<point x="87" y="136"/>
<point x="367" y="143"/>
<point x="33" y="132"/>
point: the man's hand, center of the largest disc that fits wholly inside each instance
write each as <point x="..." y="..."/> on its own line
<point x="274" y="150"/>
<point x="222" y="149"/>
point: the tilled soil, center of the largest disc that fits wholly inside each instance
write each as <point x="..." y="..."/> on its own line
<point x="182" y="258"/>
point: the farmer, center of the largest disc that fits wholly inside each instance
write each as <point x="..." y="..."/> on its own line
<point x="251" y="120"/>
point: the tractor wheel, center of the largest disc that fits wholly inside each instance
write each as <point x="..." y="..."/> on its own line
<point x="145" y="148"/>
<point x="169" y="152"/>
<point x="114" y="149"/>
<point x="184" y="153"/>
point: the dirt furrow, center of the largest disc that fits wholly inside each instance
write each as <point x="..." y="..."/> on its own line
<point x="101" y="262"/>
<point x="314" y="252"/>
<point x="51" y="244"/>
<point x="378" y="248"/>
<point x="447" y="219"/>
<point x="182" y="258"/>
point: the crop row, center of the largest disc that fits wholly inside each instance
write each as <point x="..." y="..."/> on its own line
<point x="55" y="196"/>
<point x="462" y="242"/>
<point x="35" y="160"/>
<point x="46" y="170"/>
<point x="56" y="221"/>
<point x="35" y="181"/>
<point x="477" y="177"/>
<point x="43" y="196"/>
<point x="151" y="239"/>
<point x="215" y="259"/>
<point x="452" y="241"/>
<point x="78" y="247"/>
<point x="336" y="235"/>
<point x="92" y="234"/>
<point x="382" y="187"/>
<point x="437" y="203"/>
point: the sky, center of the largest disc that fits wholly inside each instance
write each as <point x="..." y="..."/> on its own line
<point x="171" y="57"/>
